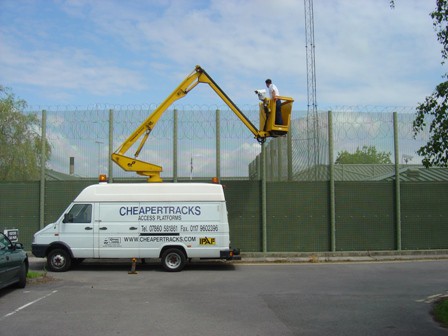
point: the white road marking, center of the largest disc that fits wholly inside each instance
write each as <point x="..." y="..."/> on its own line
<point x="27" y="305"/>
<point x="433" y="298"/>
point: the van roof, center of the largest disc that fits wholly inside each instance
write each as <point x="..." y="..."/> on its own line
<point x="152" y="192"/>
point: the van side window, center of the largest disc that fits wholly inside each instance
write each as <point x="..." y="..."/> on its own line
<point x="80" y="213"/>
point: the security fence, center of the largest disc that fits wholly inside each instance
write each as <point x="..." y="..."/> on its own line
<point x="189" y="142"/>
<point x="192" y="142"/>
<point x="291" y="158"/>
<point x="283" y="196"/>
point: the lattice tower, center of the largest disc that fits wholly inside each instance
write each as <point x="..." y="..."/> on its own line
<point x="312" y="116"/>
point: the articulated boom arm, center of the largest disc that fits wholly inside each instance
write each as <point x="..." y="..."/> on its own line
<point x="267" y="117"/>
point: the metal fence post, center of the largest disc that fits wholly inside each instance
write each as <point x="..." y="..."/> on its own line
<point x="175" y="136"/>
<point x="332" y="187"/>
<point x="397" y="183"/>
<point x="279" y="160"/>
<point x="272" y="165"/>
<point x="289" y="154"/>
<point x="43" y="140"/>
<point x="218" y="144"/>
<point x="263" y="199"/>
<point x="111" y="145"/>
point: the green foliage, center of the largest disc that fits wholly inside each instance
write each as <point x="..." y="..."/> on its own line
<point x="366" y="155"/>
<point x="440" y="19"/>
<point x="440" y="311"/>
<point x="435" y="152"/>
<point x="20" y="140"/>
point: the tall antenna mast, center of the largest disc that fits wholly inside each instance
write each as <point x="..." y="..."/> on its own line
<point x="312" y="116"/>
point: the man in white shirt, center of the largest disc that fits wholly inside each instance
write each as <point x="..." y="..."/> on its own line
<point x="274" y="94"/>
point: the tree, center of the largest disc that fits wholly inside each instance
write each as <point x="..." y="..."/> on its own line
<point x="366" y="155"/>
<point x="435" y="107"/>
<point x="20" y="140"/>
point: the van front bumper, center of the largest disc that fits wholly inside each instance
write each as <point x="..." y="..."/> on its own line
<point x="39" y="250"/>
<point x="230" y="254"/>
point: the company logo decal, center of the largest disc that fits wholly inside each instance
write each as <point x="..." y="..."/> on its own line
<point x="112" y="242"/>
<point x="207" y="241"/>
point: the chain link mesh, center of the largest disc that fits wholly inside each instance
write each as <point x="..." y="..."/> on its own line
<point x="353" y="128"/>
<point x="83" y="133"/>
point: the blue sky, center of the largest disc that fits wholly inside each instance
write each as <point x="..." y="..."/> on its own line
<point x="83" y="52"/>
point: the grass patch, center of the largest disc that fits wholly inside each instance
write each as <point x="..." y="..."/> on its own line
<point x="440" y="312"/>
<point x="36" y="275"/>
<point x="38" y="278"/>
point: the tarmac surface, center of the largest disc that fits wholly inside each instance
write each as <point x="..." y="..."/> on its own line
<point x="312" y="257"/>
<point x="362" y="293"/>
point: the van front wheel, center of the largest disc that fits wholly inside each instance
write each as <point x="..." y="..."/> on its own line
<point x="173" y="260"/>
<point x="59" y="260"/>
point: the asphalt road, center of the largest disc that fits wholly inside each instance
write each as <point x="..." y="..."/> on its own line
<point x="365" y="299"/>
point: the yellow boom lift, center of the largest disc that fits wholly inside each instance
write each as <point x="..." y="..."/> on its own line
<point x="267" y="126"/>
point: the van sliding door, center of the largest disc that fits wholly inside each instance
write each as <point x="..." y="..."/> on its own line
<point x="118" y="230"/>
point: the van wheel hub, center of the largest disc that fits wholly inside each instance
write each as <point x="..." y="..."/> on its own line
<point x="58" y="260"/>
<point x="173" y="260"/>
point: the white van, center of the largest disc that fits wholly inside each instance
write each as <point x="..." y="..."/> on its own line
<point x="171" y="221"/>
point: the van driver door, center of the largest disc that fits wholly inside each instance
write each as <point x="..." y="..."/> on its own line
<point x="76" y="230"/>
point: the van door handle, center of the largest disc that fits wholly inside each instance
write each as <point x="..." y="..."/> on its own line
<point x="103" y="228"/>
<point x="88" y="228"/>
<point x="133" y="228"/>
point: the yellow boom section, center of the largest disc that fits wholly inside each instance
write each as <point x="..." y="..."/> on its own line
<point x="267" y="117"/>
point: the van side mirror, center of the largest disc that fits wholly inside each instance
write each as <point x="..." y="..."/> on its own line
<point x="68" y="218"/>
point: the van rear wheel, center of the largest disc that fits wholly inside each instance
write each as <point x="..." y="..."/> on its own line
<point x="59" y="260"/>
<point x="173" y="260"/>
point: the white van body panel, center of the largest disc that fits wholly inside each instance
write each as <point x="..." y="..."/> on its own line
<point x="152" y="192"/>
<point x="140" y="220"/>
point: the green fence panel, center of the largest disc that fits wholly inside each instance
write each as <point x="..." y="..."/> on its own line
<point x="298" y="217"/>
<point x="58" y="195"/>
<point x="424" y="215"/>
<point x="244" y="212"/>
<point x="19" y="209"/>
<point x="365" y="216"/>
<point x="297" y="213"/>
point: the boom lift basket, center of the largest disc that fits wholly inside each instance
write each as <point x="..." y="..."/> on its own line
<point x="267" y="116"/>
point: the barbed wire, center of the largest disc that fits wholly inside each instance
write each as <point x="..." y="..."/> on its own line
<point x="78" y="128"/>
<point x="372" y="109"/>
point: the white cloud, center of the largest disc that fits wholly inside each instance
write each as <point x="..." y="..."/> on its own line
<point x="80" y="51"/>
<point x="366" y="53"/>
<point x="67" y="69"/>
<point x="375" y="55"/>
